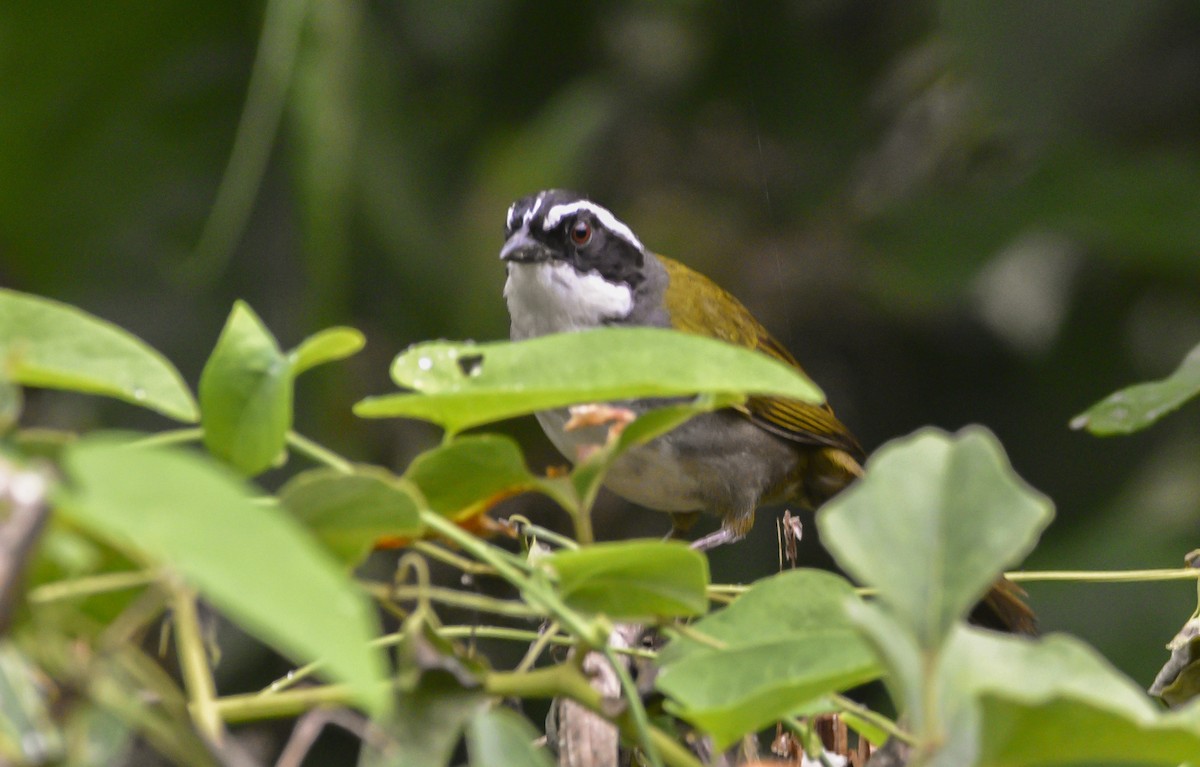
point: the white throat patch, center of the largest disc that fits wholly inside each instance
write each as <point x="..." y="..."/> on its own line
<point x="552" y="297"/>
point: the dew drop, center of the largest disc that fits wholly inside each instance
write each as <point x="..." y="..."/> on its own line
<point x="425" y="363"/>
<point x="139" y="394"/>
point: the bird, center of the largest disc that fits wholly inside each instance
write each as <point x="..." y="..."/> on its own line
<point x="572" y="265"/>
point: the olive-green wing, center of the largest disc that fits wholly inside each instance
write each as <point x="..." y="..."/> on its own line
<point x="698" y="305"/>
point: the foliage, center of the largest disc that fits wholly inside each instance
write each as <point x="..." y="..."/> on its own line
<point x="937" y="517"/>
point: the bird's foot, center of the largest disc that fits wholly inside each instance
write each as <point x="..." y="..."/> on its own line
<point x="716" y="538"/>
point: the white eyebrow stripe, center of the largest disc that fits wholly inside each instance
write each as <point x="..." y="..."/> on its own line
<point x="556" y="214"/>
<point x="509" y="219"/>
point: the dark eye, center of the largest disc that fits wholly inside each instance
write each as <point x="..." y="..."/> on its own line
<point x="581" y="233"/>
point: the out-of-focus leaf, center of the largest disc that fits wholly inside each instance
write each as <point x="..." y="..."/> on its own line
<point x="1136" y="407"/>
<point x="499" y="737"/>
<point x="783" y="644"/>
<point x="11" y="402"/>
<point x="931" y="525"/>
<point x="27" y="733"/>
<point x="633" y="580"/>
<point x="1056" y="701"/>
<point x="246" y="394"/>
<point x="460" y="385"/>
<point x="53" y="345"/>
<point x="349" y="513"/>
<point x="425" y="724"/>
<point x="329" y="345"/>
<point x="251" y="560"/>
<point x="468" y="476"/>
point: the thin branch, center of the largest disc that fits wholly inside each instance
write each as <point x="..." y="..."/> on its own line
<point x="318" y="453"/>
<point x="193" y="662"/>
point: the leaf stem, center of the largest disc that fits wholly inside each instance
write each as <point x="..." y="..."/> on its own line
<point x="75" y="588"/>
<point x="434" y="551"/>
<point x="873" y="718"/>
<point x="1105" y="576"/>
<point x="448" y="596"/>
<point x="193" y="662"/>
<point x="318" y="453"/>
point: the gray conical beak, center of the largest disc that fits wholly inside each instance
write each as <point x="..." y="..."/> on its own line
<point x="523" y="248"/>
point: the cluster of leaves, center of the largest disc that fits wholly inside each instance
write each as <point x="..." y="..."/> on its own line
<point x="140" y="524"/>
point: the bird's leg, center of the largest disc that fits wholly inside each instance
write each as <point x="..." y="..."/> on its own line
<point x="734" y="527"/>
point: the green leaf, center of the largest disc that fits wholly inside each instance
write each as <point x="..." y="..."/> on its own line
<point x="1056" y="701"/>
<point x="246" y="394"/>
<point x="425" y="725"/>
<point x="251" y="560"/>
<point x="468" y="475"/>
<point x="461" y="385"/>
<point x="784" y="643"/>
<point x="931" y="525"/>
<point x="329" y="345"/>
<point x="633" y="580"/>
<point x="1136" y="407"/>
<point x="349" y="513"/>
<point x="897" y="649"/>
<point x="11" y="403"/>
<point x="500" y="737"/>
<point x="48" y="344"/>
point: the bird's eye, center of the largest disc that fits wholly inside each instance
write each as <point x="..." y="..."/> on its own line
<point x="581" y="233"/>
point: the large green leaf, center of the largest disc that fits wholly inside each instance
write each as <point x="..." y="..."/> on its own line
<point x="784" y="643"/>
<point x="246" y="394"/>
<point x="1136" y="407"/>
<point x="460" y="385"/>
<point x="1055" y="701"/>
<point x="350" y="513"/>
<point x="499" y="737"/>
<point x="49" y="344"/>
<point x="633" y="580"/>
<point x="931" y="525"/>
<point x="250" y="559"/>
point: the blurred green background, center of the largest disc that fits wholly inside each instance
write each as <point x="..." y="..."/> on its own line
<point x="953" y="212"/>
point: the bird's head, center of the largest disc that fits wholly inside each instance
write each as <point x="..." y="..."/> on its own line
<point x="572" y="264"/>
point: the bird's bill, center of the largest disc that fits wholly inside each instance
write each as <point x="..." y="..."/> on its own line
<point x="522" y="248"/>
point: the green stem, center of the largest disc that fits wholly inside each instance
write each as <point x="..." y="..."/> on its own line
<point x="635" y="712"/>
<point x="530" y="530"/>
<point x="555" y="681"/>
<point x="582" y="517"/>
<point x="685" y="630"/>
<point x="545" y="638"/>
<point x="171" y="437"/>
<point x="193" y="662"/>
<point x="75" y="588"/>
<point x="318" y="453"/>
<point x="453" y="597"/>
<point x="873" y="718"/>
<point x="434" y="551"/>
<point x="1103" y="576"/>
<point x="540" y="595"/>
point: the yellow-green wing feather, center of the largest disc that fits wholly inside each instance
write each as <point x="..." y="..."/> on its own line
<point x="699" y="306"/>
